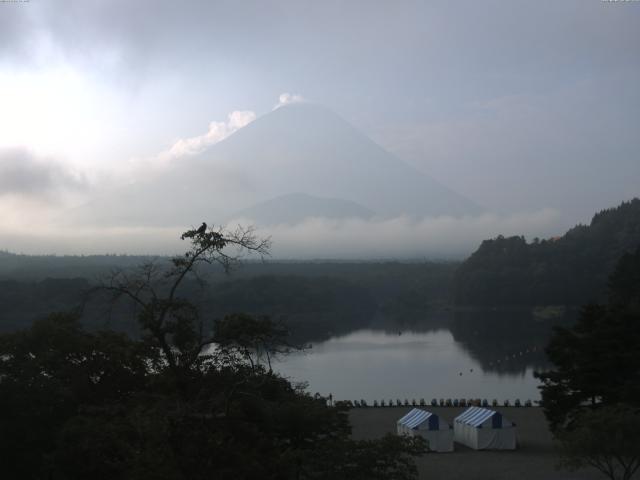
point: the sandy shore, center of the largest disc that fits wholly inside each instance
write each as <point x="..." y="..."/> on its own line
<point x="535" y="458"/>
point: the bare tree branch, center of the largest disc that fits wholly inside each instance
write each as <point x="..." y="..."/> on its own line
<point x="174" y="323"/>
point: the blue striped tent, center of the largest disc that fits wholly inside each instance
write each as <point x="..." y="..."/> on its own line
<point x="429" y="426"/>
<point x="481" y="428"/>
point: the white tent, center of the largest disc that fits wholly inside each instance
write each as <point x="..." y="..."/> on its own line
<point x="483" y="429"/>
<point x="429" y="426"/>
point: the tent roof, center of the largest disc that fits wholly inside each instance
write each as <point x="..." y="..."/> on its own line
<point x="475" y="416"/>
<point x="415" y="417"/>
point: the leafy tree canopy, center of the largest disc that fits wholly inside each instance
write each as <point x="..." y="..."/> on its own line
<point x="592" y="396"/>
<point x="607" y="439"/>
<point x="567" y="270"/>
<point x="597" y="361"/>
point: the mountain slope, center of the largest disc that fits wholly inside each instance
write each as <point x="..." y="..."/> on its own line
<point x="303" y="148"/>
<point x="295" y="207"/>
<point x="313" y="150"/>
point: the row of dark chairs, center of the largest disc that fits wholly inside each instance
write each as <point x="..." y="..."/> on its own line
<point x="462" y="402"/>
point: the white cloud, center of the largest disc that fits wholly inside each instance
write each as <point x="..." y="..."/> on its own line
<point x="217" y="132"/>
<point x="185" y="147"/>
<point x="314" y="238"/>
<point x="403" y="236"/>
<point x="288" y="98"/>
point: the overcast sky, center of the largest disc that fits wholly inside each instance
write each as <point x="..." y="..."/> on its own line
<point x="522" y="106"/>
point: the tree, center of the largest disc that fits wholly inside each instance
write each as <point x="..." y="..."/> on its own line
<point x="170" y="322"/>
<point x="389" y="457"/>
<point x="52" y="372"/>
<point x="607" y="439"/>
<point x="597" y="361"/>
<point x="592" y="396"/>
<point x="252" y="338"/>
<point x="624" y="283"/>
<point x="190" y="399"/>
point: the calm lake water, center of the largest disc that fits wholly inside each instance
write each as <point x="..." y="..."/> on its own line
<point x="465" y="359"/>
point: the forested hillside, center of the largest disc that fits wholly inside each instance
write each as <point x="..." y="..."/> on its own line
<point x="569" y="270"/>
<point x="313" y="299"/>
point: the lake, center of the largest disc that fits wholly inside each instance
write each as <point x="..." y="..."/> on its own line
<point x="466" y="356"/>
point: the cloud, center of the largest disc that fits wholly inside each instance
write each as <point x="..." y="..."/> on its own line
<point x="24" y="174"/>
<point x="288" y="98"/>
<point x="217" y="132"/>
<point x="402" y="237"/>
<point x="185" y="147"/>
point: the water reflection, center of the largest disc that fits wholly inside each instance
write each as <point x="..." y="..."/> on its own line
<point x="504" y="342"/>
<point x="486" y="355"/>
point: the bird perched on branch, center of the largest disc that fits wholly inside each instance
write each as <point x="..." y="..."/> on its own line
<point x="202" y="229"/>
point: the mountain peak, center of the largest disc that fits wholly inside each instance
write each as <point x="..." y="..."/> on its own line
<point x="297" y="122"/>
<point x="301" y="147"/>
<point x="312" y="149"/>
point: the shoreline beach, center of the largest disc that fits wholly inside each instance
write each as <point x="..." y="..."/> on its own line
<point x="535" y="458"/>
